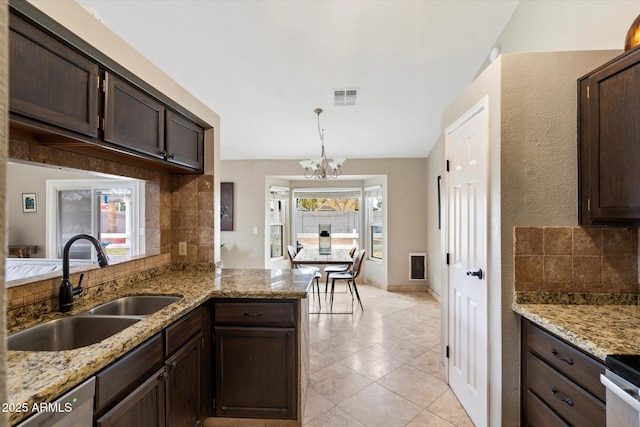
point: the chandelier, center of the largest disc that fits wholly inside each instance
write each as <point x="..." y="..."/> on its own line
<point x="320" y="167"/>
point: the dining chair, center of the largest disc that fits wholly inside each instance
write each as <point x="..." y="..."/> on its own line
<point x="292" y="254"/>
<point x="350" y="277"/>
<point x="338" y="268"/>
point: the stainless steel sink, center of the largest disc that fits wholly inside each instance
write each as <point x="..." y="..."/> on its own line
<point x="69" y="333"/>
<point x="139" y="305"/>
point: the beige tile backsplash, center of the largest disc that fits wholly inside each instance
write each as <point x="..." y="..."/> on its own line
<point x="576" y="259"/>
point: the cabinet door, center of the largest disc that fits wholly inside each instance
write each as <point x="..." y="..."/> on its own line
<point x="185" y="141"/>
<point x="609" y="153"/>
<point x="184" y="387"/>
<point x="255" y="372"/>
<point x="50" y="82"/>
<point x="144" y="407"/>
<point x="133" y="119"/>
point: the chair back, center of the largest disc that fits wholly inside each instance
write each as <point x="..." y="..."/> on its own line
<point x="292" y="254"/>
<point x="352" y="251"/>
<point x="357" y="263"/>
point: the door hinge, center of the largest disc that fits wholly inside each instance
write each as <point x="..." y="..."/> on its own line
<point x="447" y="165"/>
<point x="447" y="258"/>
<point x="446" y="352"/>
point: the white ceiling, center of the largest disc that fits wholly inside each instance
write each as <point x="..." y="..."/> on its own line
<point x="264" y="66"/>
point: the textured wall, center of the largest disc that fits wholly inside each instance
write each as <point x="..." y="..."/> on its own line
<point x="532" y="181"/>
<point x="4" y="139"/>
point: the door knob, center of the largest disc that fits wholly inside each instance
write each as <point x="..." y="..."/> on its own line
<point x="478" y="273"/>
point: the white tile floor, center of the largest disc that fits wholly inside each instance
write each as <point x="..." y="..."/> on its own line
<point x="380" y="367"/>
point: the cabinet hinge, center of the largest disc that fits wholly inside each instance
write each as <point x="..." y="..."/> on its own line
<point x="202" y="342"/>
<point x="446" y="352"/>
<point x="588" y="92"/>
<point x="589" y="204"/>
<point x="104" y="86"/>
<point x="447" y="165"/>
<point x="101" y="121"/>
<point x="447" y="259"/>
<point x="98" y="81"/>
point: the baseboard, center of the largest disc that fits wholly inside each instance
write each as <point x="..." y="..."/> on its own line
<point x="434" y="295"/>
<point x="407" y="288"/>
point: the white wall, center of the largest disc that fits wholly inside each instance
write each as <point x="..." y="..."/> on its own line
<point x="406" y="201"/>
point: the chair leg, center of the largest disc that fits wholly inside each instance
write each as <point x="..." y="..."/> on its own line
<point x="318" y="289"/>
<point x="357" y="294"/>
<point x="333" y="285"/>
<point x="326" y="286"/>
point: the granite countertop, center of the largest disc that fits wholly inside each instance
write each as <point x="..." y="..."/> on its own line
<point x="599" y="330"/>
<point x="34" y="377"/>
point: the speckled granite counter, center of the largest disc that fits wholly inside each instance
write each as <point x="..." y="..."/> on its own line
<point x="42" y="376"/>
<point x="597" y="329"/>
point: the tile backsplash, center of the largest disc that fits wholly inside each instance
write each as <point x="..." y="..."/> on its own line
<point x="587" y="260"/>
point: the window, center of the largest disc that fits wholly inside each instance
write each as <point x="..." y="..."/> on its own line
<point x="373" y="196"/>
<point x="337" y="208"/>
<point x="107" y="210"/>
<point x="277" y="220"/>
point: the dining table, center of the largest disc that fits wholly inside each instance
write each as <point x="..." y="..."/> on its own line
<point x="312" y="256"/>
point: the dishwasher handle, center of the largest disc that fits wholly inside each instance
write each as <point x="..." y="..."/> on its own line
<point x="620" y="392"/>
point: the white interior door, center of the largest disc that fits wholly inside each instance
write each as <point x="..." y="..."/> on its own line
<point x="466" y="147"/>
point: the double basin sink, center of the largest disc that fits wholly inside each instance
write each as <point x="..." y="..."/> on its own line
<point x="89" y="327"/>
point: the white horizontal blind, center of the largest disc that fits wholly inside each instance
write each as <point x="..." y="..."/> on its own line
<point x="334" y="193"/>
<point x="279" y="193"/>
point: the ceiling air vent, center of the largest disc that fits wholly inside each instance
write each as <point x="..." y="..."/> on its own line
<point x="343" y="97"/>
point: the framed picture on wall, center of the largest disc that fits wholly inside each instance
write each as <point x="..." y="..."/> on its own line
<point x="29" y="203"/>
<point x="226" y="206"/>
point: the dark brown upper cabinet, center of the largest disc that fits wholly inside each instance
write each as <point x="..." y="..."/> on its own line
<point x="133" y="119"/>
<point x="51" y="82"/>
<point x="61" y="96"/>
<point x="184" y="141"/>
<point x="609" y="143"/>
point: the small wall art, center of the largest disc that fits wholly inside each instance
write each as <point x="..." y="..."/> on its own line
<point x="29" y="203"/>
<point x="226" y="206"/>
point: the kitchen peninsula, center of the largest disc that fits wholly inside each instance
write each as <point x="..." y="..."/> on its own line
<point x="35" y="377"/>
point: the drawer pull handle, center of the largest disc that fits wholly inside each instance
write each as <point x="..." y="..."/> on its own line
<point x="561" y="397"/>
<point x="256" y="314"/>
<point x="560" y="357"/>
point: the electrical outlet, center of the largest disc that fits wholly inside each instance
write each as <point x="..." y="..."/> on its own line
<point x="182" y="248"/>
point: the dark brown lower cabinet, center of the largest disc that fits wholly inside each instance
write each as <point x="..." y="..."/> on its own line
<point x="256" y="372"/>
<point x="560" y="383"/>
<point x="144" y="407"/>
<point x="162" y="382"/>
<point x="256" y="358"/>
<point x="184" y="385"/>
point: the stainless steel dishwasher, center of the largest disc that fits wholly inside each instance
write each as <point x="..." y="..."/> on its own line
<point x="621" y="380"/>
<point x="73" y="409"/>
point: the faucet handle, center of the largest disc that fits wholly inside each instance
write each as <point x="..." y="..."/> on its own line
<point x="78" y="289"/>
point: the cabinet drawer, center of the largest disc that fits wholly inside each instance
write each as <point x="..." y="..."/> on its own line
<point x="182" y="330"/>
<point x="123" y="375"/>
<point x="566" y="399"/>
<point x="580" y="368"/>
<point x="255" y="313"/>
<point x="539" y="414"/>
